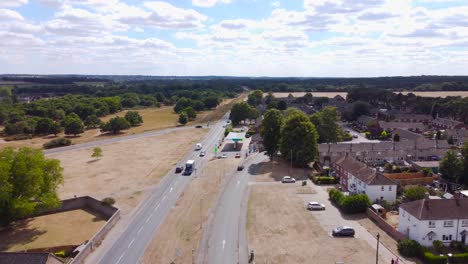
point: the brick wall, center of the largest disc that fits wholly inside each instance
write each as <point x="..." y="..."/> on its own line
<point x="384" y="225"/>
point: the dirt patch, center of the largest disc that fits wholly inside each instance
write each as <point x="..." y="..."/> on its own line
<point x="280" y="230"/>
<point x="182" y="230"/>
<point x="274" y="171"/>
<point x="127" y="169"/>
<point x="66" y="228"/>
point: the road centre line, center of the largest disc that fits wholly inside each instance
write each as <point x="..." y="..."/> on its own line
<point x="121" y="256"/>
<point x="139" y="231"/>
<point x="131" y="242"/>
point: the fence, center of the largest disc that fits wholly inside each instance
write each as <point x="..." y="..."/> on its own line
<point x="411" y="178"/>
<point x="390" y="230"/>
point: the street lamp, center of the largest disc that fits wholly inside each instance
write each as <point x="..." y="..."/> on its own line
<point x="377" y="252"/>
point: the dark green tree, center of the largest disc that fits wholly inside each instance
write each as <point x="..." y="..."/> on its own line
<point x="182" y="103"/>
<point x="326" y="123"/>
<point x="183" y="118"/>
<point x="28" y="183"/>
<point x="92" y="121"/>
<point x="464" y="152"/>
<point x="115" y="125"/>
<point x="73" y="125"/>
<point x="282" y="105"/>
<point x="271" y="131"/>
<point x="299" y="139"/>
<point x="44" y="126"/>
<point x="240" y="111"/>
<point x="415" y="193"/>
<point x="255" y="98"/>
<point x="134" y="118"/>
<point x="191" y="113"/>
<point x="451" y="167"/>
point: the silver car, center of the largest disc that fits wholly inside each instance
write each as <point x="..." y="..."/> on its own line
<point x="315" y="206"/>
<point x="288" y="179"/>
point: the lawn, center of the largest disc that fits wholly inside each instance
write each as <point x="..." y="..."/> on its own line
<point x="66" y="228"/>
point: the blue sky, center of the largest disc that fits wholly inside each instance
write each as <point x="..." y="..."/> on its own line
<point x="348" y="38"/>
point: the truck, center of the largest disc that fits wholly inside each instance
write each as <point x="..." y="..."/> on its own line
<point x="189" y="167"/>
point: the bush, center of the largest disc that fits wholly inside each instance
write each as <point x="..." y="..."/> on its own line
<point x="108" y="201"/>
<point x="410" y="248"/>
<point x="355" y="203"/>
<point x="335" y="196"/>
<point x="19" y="137"/>
<point x="58" y="142"/>
<point x="458" y="246"/>
<point x="438" y="246"/>
<point x="434" y="259"/>
<point x="324" y="180"/>
<point x="415" y="193"/>
<point x="460" y="258"/>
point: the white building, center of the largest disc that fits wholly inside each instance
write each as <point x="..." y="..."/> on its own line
<point x="357" y="178"/>
<point x="427" y="220"/>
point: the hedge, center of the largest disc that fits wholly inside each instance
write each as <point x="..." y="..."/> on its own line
<point x="430" y="258"/>
<point x="324" y="180"/>
<point x="350" y="204"/>
<point x="58" y="142"/>
<point x="410" y="248"/>
<point x="460" y="258"/>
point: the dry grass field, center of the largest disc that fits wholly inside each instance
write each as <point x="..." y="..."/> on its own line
<point x="127" y="169"/>
<point x="181" y="229"/>
<point x="67" y="228"/>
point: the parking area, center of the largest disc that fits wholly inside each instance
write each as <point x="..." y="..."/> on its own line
<point x="281" y="230"/>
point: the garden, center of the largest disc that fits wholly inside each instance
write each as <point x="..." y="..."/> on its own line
<point x="439" y="253"/>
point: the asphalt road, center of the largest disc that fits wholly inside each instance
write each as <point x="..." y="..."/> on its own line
<point x="360" y="137"/>
<point x="224" y="240"/>
<point x="116" y="139"/>
<point x="130" y="246"/>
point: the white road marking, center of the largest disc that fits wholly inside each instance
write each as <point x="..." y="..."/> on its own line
<point x="156" y="208"/>
<point x="224" y="243"/>
<point x="238" y="182"/>
<point x="149" y="217"/>
<point x="131" y="242"/>
<point x="164" y="198"/>
<point x="139" y="231"/>
<point x="121" y="256"/>
<point x="171" y="189"/>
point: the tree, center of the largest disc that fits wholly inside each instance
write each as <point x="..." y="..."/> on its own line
<point x="359" y="108"/>
<point x="451" y="167"/>
<point x="92" y="121"/>
<point x="271" y="131"/>
<point x="396" y="137"/>
<point x="43" y="126"/>
<point x="326" y="123"/>
<point x="210" y="102"/>
<point x="115" y="125"/>
<point x="28" y="183"/>
<point x="272" y="105"/>
<point x="134" y="118"/>
<point x="55" y="128"/>
<point x="299" y="139"/>
<point x="253" y="113"/>
<point x="191" y="114"/>
<point x="269" y="97"/>
<point x="308" y="98"/>
<point x="464" y="152"/>
<point x="413" y="193"/>
<point x="183" y="118"/>
<point x="240" y="111"/>
<point x="73" y="125"/>
<point x="97" y="152"/>
<point x="282" y="105"/>
<point x="181" y="104"/>
<point x="255" y="98"/>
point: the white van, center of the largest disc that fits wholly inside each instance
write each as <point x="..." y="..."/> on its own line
<point x="198" y="146"/>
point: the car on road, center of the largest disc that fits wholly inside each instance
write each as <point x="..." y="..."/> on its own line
<point x="288" y="179"/>
<point x="240" y="167"/>
<point x="343" y="231"/>
<point x="202" y="153"/>
<point x="247" y="135"/>
<point x="315" y="206"/>
<point x="198" y="126"/>
<point x="179" y="169"/>
<point x="238" y="155"/>
<point x="355" y="136"/>
<point x="224" y="156"/>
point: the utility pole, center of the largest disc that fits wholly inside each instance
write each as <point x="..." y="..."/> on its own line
<point x="290" y="168"/>
<point x="377" y="253"/>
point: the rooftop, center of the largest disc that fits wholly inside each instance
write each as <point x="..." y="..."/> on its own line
<point x="437" y="209"/>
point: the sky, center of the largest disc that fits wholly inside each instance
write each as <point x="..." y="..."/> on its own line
<point x="296" y="38"/>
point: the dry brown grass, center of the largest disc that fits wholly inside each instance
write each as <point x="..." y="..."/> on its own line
<point x="127" y="169"/>
<point x="181" y="229"/>
<point x="67" y="228"/>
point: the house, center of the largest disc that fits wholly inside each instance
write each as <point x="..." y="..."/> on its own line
<point x="402" y="125"/>
<point x="445" y="123"/>
<point x="357" y="178"/>
<point x="460" y="136"/>
<point x="427" y="220"/>
<point x="28" y="258"/>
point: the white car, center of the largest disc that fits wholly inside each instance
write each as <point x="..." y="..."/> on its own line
<point x="315" y="206"/>
<point x="288" y="179"/>
<point x="224" y="156"/>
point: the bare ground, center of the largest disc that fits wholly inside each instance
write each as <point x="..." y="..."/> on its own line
<point x="67" y="228"/>
<point x="127" y="169"/>
<point x="280" y="230"/>
<point x="181" y="230"/>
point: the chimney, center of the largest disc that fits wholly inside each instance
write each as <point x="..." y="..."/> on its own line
<point x="457" y="196"/>
<point x="426" y="200"/>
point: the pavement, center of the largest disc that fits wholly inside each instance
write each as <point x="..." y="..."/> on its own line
<point x="129" y="245"/>
<point x="360" y="136"/>
<point x="224" y="239"/>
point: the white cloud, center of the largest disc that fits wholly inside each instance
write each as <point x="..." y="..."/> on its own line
<point x="9" y="15"/>
<point x="12" y="3"/>
<point x="209" y="3"/>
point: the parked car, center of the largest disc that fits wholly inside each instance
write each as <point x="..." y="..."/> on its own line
<point x="288" y="179"/>
<point x="343" y="231"/>
<point x="240" y="167"/>
<point x="355" y="136"/>
<point x="238" y="155"/>
<point x="179" y="169"/>
<point x="202" y="153"/>
<point x="224" y="156"/>
<point x="315" y="206"/>
<point x="247" y="135"/>
<point x="198" y="126"/>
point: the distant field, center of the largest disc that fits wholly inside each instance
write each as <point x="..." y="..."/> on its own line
<point x="344" y="94"/>
<point x="67" y="228"/>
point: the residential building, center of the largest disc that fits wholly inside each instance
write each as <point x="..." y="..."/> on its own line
<point x="28" y="258"/>
<point x="460" y="136"/>
<point x="427" y="220"/>
<point x="416" y="126"/>
<point x="445" y="123"/>
<point x="357" y="178"/>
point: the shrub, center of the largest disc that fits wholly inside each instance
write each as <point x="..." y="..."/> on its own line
<point x="438" y="246"/>
<point x="335" y="196"/>
<point x="458" y="246"/>
<point x="108" y="201"/>
<point x="355" y="203"/>
<point x="324" y="180"/>
<point x="415" y="193"/>
<point x="410" y="248"/>
<point x="19" y="137"/>
<point x="58" y="142"/>
<point x="434" y="259"/>
<point x="460" y="258"/>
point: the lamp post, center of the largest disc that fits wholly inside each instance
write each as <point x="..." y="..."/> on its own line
<point x="377" y="252"/>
